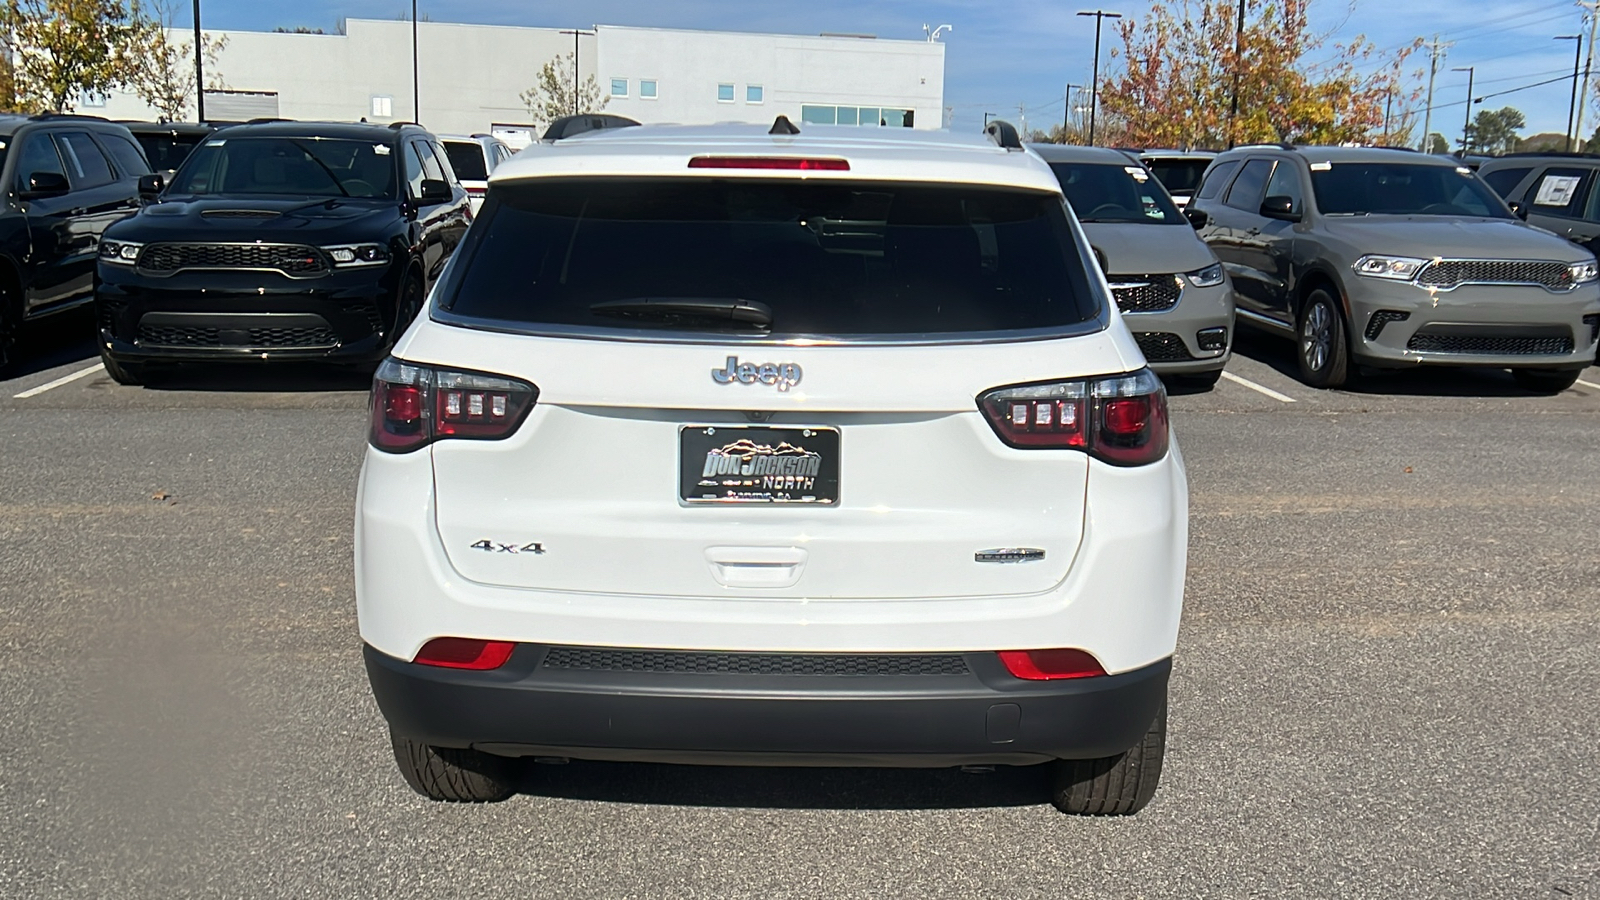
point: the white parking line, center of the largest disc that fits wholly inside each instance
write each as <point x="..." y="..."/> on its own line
<point x="65" y="379"/>
<point x="1258" y="388"/>
<point x="1589" y="384"/>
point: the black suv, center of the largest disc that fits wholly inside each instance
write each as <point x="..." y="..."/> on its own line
<point x="280" y="240"/>
<point x="67" y="178"/>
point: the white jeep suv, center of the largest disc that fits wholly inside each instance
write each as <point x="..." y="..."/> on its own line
<point x="723" y="445"/>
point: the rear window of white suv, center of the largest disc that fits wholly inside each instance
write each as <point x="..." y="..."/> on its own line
<point x="818" y="257"/>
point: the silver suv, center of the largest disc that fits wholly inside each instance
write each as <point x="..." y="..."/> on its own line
<point x="1390" y="259"/>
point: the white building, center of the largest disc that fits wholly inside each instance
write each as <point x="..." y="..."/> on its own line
<point x="471" y="76"/>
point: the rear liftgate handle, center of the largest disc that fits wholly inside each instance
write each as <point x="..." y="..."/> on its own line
<point x="756" y="567"/>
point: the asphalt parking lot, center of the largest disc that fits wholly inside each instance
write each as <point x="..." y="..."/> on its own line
<point x="1385" y="685"/>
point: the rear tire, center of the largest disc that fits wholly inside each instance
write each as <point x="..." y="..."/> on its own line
<point x="450" y="774"/>
<point x="1322" y="346"/>
<point x="130" y="374"/>
<point x="409" y="306"/>
<point x="1546" y="381"/>
<point x="8" y="328"/>
<point x="1118" y="785"/>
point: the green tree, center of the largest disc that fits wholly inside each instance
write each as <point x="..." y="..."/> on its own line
<point x="552" y="96"/>
<point x="163" y="75"/>
<point x="1494" y="130"/>
<point x="1182" y="63"/>
<point x="59" y="50"/>
<point x="1437" y="143"/>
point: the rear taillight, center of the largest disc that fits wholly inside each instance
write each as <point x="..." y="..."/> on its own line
<point x="1121" y="420"/>
<point x="794" y="163"/>
<point x="465" y="653"/>
<point x="1051" y="665"/>
<point x="477" y="192"/>
<point x="413" y="406"/>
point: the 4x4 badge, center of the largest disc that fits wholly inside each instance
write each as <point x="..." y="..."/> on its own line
<point x="1008" y="555"/>
<point x="783" y="375"/>
<point x="489" y="546"/>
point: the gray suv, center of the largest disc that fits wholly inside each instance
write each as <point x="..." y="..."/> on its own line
<point x="1390" y="259"/>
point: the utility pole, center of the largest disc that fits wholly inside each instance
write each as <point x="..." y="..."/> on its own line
<point x="1592" y="10"/>
<point x="1388" y="100"/>
<point x="199" y="72"/>
<point x="1466" y="124"/>
<point x="575" y="32"/>
<point x="1066" y="114"/>
<point x="416" y="90"/>
<point x="1577" y="60"/>
<point x="1238" y="61"/>
<point x="1100" y="16"/>
<point x="1434" y="50"/>
<point x="1022" y="118"/>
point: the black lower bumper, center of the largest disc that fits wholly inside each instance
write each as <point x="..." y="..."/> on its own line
<point x="981" y="715"/>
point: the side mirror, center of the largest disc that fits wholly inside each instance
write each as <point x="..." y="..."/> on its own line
<point x="150" y="186"/>
<point x="1196" y="217"/>
<point x="1519" y="209"/>
<point x="1280" y="207"/>
<point x="434" y="191"/>
<point x="45" y="184"/>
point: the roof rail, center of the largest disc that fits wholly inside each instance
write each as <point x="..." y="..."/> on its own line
<point x="265" y="120"/>
<point x="399" y="125"/>
<point x="782" y="125"/>
<point x="1572" y="155"/>
<point x="1275" y="145"/>
<point x="567" y="126"/>
<point x="1004" y="134"/>
<point x="44" y="117"/>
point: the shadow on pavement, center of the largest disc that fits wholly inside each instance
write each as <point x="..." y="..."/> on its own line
<point x="276" y="377"/>
<point x="56" y="341"/>
<point x="1427" y="381"/>
<point x="787" y="788"/>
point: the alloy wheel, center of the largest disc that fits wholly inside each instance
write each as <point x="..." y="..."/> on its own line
<point x="1316" y="337"/>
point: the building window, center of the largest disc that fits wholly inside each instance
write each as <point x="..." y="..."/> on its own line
<point x="753" y="93"/>
<point x="647" y="88"/>
<point x="724" y="93"/>
<point x="619" y="87"/>
<point x="94" y="99"/>
<point x="871" y="115"/>
<point x="382" y="107"/>
<point x="818" y="115"/>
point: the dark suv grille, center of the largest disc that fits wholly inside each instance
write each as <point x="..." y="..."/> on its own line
<point x="1161" y="346"/>
<point x="1145" y="293"/>
<point x="294" y="260"/>
<point x="1447" y="273"/>
<point x="696" y="663"/>
<point x="192" y="336"/>
<point x="1491" y="344"/>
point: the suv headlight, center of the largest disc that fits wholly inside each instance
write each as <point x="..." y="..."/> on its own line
<point x="123" y="253"/>
<point x="1585" y="272"/>
<point x="352" y="255"/>
<point x="1210" y="276"/>
<point x="1397" y="268"/>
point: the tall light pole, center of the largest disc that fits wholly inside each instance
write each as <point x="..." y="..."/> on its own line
<point x="1466" y="124"/>
<point x="1589" y="9"/>
<point x="1066" y="114"/>
<point x="1238" y="60"/>
<point x="1100" y="16"/>
<point x="1577" y="60"/>
<point x="575" y="32"/>
<point x="199" y="72"/>
<point x="416" y="90"/>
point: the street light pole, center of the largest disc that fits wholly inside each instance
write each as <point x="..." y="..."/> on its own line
<point x="416" y="90"/>
<point x="575" y="32"/>
<point x="1066" y="114"/>
<point x="1466" y="124"/>
<point x="1238" y="53"/>
<point x="1577" y="60"/>
<point x="199" y="72"/>
<point x="1100" y="16"/>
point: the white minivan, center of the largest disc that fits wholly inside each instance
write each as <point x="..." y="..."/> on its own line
<point x="773" y="447"/>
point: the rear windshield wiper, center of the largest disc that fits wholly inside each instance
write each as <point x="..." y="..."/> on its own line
<point x="727" y="311"/>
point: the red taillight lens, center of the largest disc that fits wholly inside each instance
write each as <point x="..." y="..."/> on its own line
<point x="1121" y="420"/>
<point x="1050" y="665"/>
<point x="415" y="405"/>
<point x="465" y="653"/>
<point x="477" y="192"/>
<point x="803" y="164"/>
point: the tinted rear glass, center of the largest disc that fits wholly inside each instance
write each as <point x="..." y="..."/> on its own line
<point x="1217" y="179"/>
<point x="166" y="152"/>
<point x="829" y="258"/>
<point x="1108" y="193"/>
<point x="1181" y="176"/>
<point x="1402" y="189"/>
<point x="1504" y="180"/>
<point x="295" y="166"/>
<point x="467" y="160"/>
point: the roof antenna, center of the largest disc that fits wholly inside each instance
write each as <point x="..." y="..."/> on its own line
<point x="782" y="125"/>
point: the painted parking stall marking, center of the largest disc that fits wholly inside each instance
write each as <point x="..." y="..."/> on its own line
<point x="1260" y="389"/>
<point x="52" y="385"/>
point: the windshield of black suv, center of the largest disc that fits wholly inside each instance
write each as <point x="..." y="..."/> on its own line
<point x="1101" y="192"/>
<point x="1181" y="176"/>
<point x="294" y="166"/>
<point x="1402" y="189"/>
<point x="816" y="257"/>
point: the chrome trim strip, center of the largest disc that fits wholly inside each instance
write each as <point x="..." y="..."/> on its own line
<point x="1263" y="320"/>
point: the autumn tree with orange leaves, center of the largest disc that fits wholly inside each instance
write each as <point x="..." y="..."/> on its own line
<point x="1179" y="64"/>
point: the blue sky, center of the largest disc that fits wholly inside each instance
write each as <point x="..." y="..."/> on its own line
<point x="1001" y="54"/>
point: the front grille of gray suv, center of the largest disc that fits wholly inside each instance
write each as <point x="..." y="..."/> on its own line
<point x="1146" y="293"/>
<point x="1519" y="345"/>
<point x="1161" y="346"/>
<point x="1448" y="273"/>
